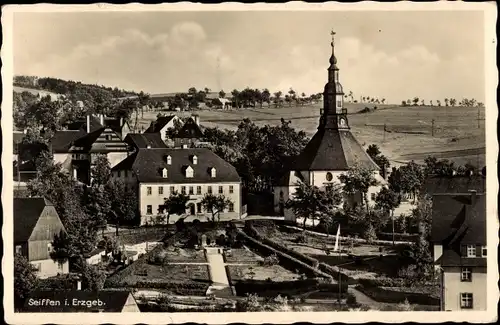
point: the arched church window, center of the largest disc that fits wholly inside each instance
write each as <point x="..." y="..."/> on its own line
<point x="329" y="176"/>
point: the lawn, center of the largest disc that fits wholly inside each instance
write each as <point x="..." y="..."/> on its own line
<point x="242" y="255"/>
<point x="276" y="273"/>
<point x="408" y="133"/>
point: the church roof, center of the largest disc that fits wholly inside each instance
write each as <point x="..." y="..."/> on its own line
<point x="333" y="149"/>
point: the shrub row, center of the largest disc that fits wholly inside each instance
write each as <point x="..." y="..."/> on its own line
<point x="290" y="288"/>
<point x="287" y="261"/>
<point x="301" y="257"/>
<point x="397" y="237"/>
<point x="57" y="283"/>
<point x="335" y="273"/>
<point x="392" y="296"/>
<point x="181" y="288"/>
<point x="382" y="282"/>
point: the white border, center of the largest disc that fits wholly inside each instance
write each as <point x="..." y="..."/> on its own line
<point x="491" y="75"/>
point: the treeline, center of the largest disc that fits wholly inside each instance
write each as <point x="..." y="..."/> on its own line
<point x="465" y="102"/>
<point x="68" y="87"/>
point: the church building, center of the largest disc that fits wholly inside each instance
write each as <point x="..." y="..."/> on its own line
<point x="331" y="151"/>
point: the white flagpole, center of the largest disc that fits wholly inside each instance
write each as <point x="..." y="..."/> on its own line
<point x="337" y="247"/>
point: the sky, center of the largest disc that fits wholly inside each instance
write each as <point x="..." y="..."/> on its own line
<point x="386" y="54"/>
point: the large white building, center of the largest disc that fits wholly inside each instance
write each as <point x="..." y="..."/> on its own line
<point x="332" y="151"/>
<point x="156" y="173"/>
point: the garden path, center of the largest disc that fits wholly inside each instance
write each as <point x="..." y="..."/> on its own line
<point x="217" y="267"/>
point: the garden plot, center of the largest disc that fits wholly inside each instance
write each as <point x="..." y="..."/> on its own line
<point x="257" y="272"/>
<point x="183" y="255"/>
<point x="241" y="256"/>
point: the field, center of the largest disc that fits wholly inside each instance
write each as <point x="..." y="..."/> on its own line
<point x="409" y="129"/>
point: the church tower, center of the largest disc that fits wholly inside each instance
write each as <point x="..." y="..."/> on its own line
<point x="333" y="114"/>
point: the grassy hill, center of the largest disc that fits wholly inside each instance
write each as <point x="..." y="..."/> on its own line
<point x="408" y="133"/>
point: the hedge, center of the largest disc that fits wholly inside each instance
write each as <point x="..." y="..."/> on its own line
<point x="181" y="288"/>
<point x="270" y="288"/>
<point x="382" y="282"/>
<point x="392" y="296"/>
<point x="287" y="261"/>
<point x="335" y="273"/>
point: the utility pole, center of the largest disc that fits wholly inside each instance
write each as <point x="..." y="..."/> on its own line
<point x="478" y="117"/>
<point x="432" y="132"/>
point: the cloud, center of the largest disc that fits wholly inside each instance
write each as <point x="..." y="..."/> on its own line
<point x="186" y="56"/>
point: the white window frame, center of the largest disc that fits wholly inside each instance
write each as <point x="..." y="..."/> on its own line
<point x="466" y="274"/>
<point x="183" y="190"/>
<point x="231" y="207"/>
<point x="149" y="209"/>
<point x="471" y="250"/>
<point x="149" y="190"/>
<point x="221" y="189"/>
<point x="191" y="190"/>
<point x="172" y="189"/>
<point x="209" y="189"/>
<point x="164" y="172"/>
<point x="483" y="251"/>
<point x="213" y="173"/>
<point x="466" y="300"/>
<point x="198" y="190"/>
<point x="160" y="190"/>
<point x="231" y="189"/>
<point x="195" y="160"/>
<point x="189" y="172"/>
<point x="19" y="249"/>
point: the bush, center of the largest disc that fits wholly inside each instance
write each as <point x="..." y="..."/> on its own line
<point x="301" y="239"/>
<point x="157" y="258"/>
<point x="351" y="300"/>
<point x="270" y="260"/>
<point x="370" y="234"/>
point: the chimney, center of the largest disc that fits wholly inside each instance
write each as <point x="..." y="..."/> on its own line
<point x="196" y="118"/>
<point x="101" y="116"/>
<point x="88" y="123"/>
<point x="473" y="197"/>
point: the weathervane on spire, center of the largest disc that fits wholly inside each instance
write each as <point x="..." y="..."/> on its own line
<point x="333" y="37"/>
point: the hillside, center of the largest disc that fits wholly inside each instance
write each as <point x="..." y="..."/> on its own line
<point x="408" y="133"/>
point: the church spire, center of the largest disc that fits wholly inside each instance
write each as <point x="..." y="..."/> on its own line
<point x="334" y="114"/>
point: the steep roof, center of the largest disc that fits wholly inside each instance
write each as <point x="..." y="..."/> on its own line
<point x="63" y="139"/>
<point x="331" y="149"/>
<point x="159" y="124"/>
<point x="456" y="220"/>
<point x="143" y="140"/>
<point x="114" y="124"/>
<point x="190" y="130"/>
<point x="454" y="184"/>
<point x="113" y="301"/>
<point x="26" y="214"/>
<point x="147" y="164"/>
<point x="88" y="139"/>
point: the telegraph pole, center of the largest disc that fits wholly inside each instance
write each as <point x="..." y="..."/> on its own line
<point x="478" y="117"/>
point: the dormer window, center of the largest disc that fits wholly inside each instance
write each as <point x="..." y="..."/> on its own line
<point x="164" y="173"/>
<point x="195" y="160"/>
<point x="213" y="172"/>
<point x="169" y="160"/>
<point x="189" y="172"/>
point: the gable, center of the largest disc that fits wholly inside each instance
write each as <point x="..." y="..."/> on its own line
<point x="48" y="225"/>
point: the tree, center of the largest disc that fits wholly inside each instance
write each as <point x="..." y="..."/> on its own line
<point x="438" y="102"/>
<point x="374" y="152"/>
<point x="100" y="171"/>
<point x="277" y="98"/>
<point x="453" y="101"/>
<point x="422" y="254"/>
<point x="415" y="101"/>
<point x="412" y="178"/>
<point x="358" y="179"/>
<point x="124" y="205"/>
<point x="174" y="204"/>
<point x="310" y="202"/>
<point x="25" y="279"/>
<point x="387" y="200"/>
<point x="67" y="196"/>
<point x="222" y="94"/>
<point x="32" y="146"/>
<point x="266" y="96"/>
<point x="215" y="204"/>
<point x="329" y="204"/>
<point x="446" y="101"/>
